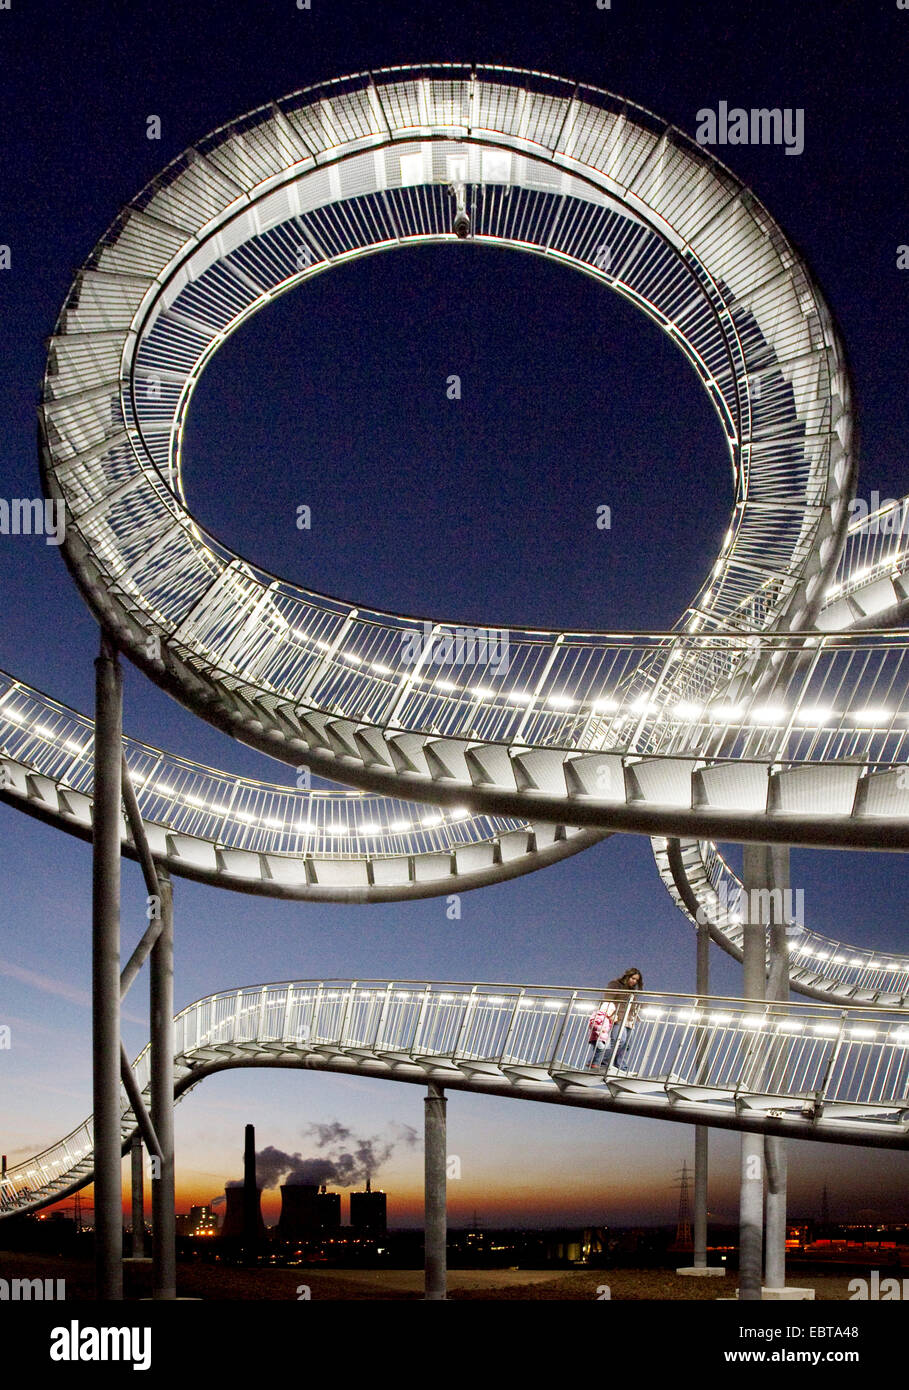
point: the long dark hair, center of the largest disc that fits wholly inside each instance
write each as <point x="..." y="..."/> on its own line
<point x="624" y="979"/>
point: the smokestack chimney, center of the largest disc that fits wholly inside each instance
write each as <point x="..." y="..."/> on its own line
<point x="242" y="1212"/>
<point x="252" y="1216"/>
<point x="250" y="1191"/>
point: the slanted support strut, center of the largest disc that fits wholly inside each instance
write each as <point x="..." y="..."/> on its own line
<point x="162" y="1096"/>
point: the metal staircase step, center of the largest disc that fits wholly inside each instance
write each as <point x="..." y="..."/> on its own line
<point x="76" y="804"/>
<point x="666" y="781"/>
<point x="835" y="617"/>
<point x="491" y="766"/>
<point x="372" y="748"/>
<point x="286" y="717"/>
<point x="540" y="769"/>
<point x="341" y="737"/>
<point x="513" y="845"/>
<point x="447" y="758"/>
<point x="313" y="726"/>
<point x="546" y="834"/>
<point x="201" y="854"/>
<point x="341" y="873"/>
<point x="731" y="787"/>
<point x="428" y="867"/>
<point x="473" y="858"/>
<point x="815" y="789"/>
<point x="884" y="793"/>
<point x="43" y="790"/>
<point x="597" y="775"/>
<point x="407" y="752"/>
<point x="876" y="597"/>
<point x="14" y="777"/>
<point x="391" y="872"/>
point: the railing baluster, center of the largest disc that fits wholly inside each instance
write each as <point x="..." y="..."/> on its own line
<point x="379" y="1034"/>
<point x="796" y="1051"/>
<point x="821" y="1092"/>
<point x="569" y="1005"/>
<point x="511" y="1025"/>
<point x="288" y="1003"/>
<point x="468" y="1013"/>
<point x="418" y="1023"/>
<point x="347" y="1008"/>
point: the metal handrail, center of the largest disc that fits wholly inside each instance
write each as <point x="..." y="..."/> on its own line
<point x="854" y="1059"/>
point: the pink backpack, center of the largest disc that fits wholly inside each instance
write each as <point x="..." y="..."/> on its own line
<point x="601" y="1022"/>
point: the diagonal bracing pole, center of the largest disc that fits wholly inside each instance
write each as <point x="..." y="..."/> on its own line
<point x="131" y="1087"/>
<point x="157" y="944"/>
<point x="157" y="1129"/>
<point x="162" y="1096"/>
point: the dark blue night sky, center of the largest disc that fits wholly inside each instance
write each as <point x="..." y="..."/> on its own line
<point x="481" y="509"/>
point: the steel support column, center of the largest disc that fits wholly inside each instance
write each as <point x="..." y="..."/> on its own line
<point x="435" y="1221"/>
<point x="754" y="949"/>
<point x="106" y="974"/>
<point x="775" y="1148"/>
<point x="162" y="1096"/>
<point x="701" y="1132"/>
<point x="775" y="1235"/>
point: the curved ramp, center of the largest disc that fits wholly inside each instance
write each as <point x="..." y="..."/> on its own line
<point x="574" y="727"/>
<point x="806" y="1072"/>
<point x="259" y="837"/>
<point x="871" y="585"/>
<point x="773" y="712"/>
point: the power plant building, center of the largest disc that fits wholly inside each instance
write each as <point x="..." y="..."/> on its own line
<point x="234" y="1227"/>
<point x="201" y="1221"/>
<point x="368" y="1210"/>
<point x="307" y="1210"/>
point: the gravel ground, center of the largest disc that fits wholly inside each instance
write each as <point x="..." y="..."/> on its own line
<point x="214" y="1282"/>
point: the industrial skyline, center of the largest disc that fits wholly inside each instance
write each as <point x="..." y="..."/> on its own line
<point x="397" y="478"/>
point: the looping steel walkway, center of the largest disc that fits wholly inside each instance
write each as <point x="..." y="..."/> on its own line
<point x="806" y="1072"/>
<point x="777" y="709"/>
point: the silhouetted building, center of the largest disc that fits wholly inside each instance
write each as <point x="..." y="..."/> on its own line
<point x="243" y="1212"/>
<point x="328" y="1209"/>
<point x="307" y="1210"/>
<point x="200" y="1222"/>
<point x="298" y="1219"/>
<point x="368" y="1210"/>
<point x="233" y="1228"/>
